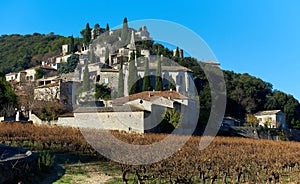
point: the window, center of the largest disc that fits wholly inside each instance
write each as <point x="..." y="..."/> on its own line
<point x="98" y="78"/>
<point x="106" y="80"/>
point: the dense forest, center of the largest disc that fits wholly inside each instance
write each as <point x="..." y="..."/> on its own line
<point x="20" y="52"/>
<point x="246" y="94"/>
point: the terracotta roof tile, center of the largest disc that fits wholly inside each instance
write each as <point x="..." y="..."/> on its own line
<point x="149" y="95"/>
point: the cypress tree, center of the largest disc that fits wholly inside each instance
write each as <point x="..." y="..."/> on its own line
<point x="72" y="45"/>
<point x="106" y="56"/>
<point x="132" y="76"/>
<point x="125" y="31"/>
<point x="96" y="31"/>
<point x="177" y="52"/>
<point x="87" y="34"/>
<point x="86" y="79"/>
<point x="107" y="28"/>
<point x="171" y="83"/>
<point x="121" y="82"/>
<point x="158" y="81"/>
<point x="146" y="81"/>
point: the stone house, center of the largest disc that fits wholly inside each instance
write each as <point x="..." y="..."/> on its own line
<point x="28" y="75"/>
<point x="55" y="90"/>
<point x="140" y="113"/>
<point x="271" y="118"/>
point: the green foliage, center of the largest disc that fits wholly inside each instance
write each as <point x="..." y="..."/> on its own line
<point x="86" y="34"/>
<point x="46" y="161"/>
<point x="158" y="81"/>
<point x="19" y="52"/>
<point x="72" y="45"/>
<point x="125" y="31"/>
<point x="92" y="57"/>
<point x="171" y="83"/>
<point x="7" y="95"/>
<point x="96" y="31"/>
<point x="107" y="56"/>
<point x="251" y="120"/>
<point x="146" y="80"/>
<point x="107" y="30"/>
<point x="70" y="65"/>
<point x="39" y="73"/>
<point x="102" y="91"/>
<point x="86" y="79"/>
<point x="132" y="76"/>
<point x="171" y="120"/>
<point x="121" y="82"/>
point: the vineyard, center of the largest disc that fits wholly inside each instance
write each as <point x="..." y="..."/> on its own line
<point x="226" y="160"/>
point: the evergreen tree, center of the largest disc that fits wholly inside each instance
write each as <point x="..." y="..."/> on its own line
<point x="106" y="56"/>
<point x="87" y="34"/>
<point x="72" y="45"/>
<point x="158" y="81"/>
<point x="171" y="83"/>
<point x="132" y="76"/>
<point x="96" y="31"/>
<point x="146" y="81"/>
<point x="125" y="31"/>
<point x="86" y="79"/>
<point x="177" y="52"/>
<point x="92" y="57"/>
<point x="121" y="81"/>
<point x="107" y="30"/>
<point x="177" y="55"/>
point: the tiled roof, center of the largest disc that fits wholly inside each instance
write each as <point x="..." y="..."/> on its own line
<point x="167" y="68"/>
<point x="69" y="114"/>
<point x="49" y="78"/>
<point x="149" y="95"/>
<point x="48" y="85"/>
<point x="47" y="67"/>
<point x="270" y="112"/>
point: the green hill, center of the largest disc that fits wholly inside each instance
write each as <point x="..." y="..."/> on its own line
<point x="245" y="93"/>
<point x="20" y="52"/>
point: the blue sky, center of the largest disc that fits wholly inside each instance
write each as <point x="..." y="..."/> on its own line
<point x="259" y="37"/>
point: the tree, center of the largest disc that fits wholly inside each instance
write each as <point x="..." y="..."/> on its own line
<point x="107" y="28"/>
<point x="146" y="81"/>
<point x="92" y="57"/>
<point x="106" y="56"/>
<point x="86" y="79"/>
<point x="7" y="94"/>
<point x="251" y="119"/>
<point x="172" y="84"/>
<point x="70" y="65"/>
<point x="72" y="45"/>
<point x="158" y="84"/>
<point x="39" y="73"/>
<point x="121" y="81"/>
<point x="132" y="76"/>
<point x="171" y="120"/>
<point x="102" y="91"/>
<point x="124" y="34"/>
<point x="96" y="31"/>
<point x="86" y="33"/>
<point x="177" y="52"/>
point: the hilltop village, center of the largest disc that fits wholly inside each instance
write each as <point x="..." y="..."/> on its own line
<point x="115" y="81"/>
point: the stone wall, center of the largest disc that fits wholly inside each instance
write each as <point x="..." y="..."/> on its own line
<point x="122" y="121"/>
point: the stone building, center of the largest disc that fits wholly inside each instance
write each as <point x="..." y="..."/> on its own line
<point x="140" y="113"/>
<point x="29" y="75"/>
<point x="271" y="118"/>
